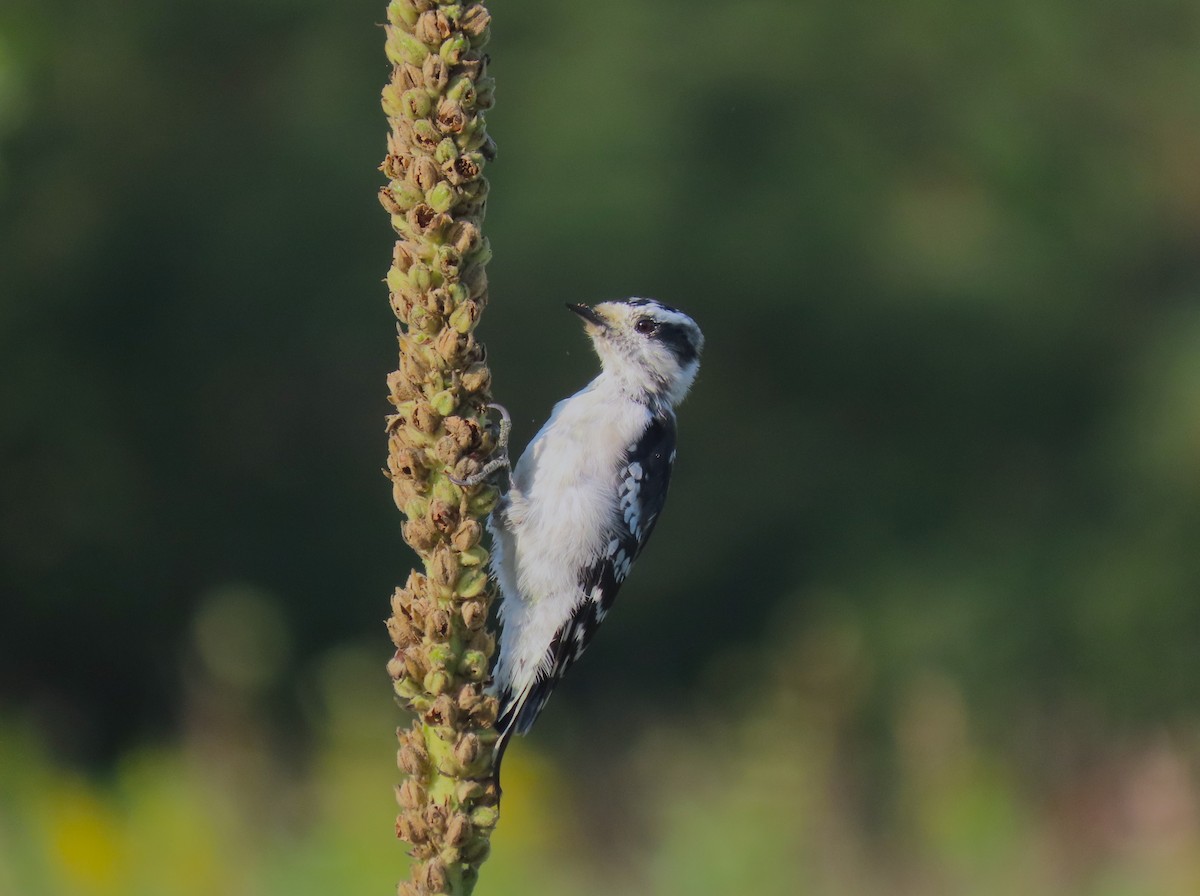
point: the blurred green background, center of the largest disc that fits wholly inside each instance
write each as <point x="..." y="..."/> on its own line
<point x="923" y="616"/>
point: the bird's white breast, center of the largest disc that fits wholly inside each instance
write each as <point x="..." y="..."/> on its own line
<point x="558" y="517"/>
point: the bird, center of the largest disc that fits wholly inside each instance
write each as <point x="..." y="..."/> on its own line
<point x="583" y="499"/>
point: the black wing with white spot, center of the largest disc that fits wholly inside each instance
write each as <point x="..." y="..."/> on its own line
<point x="642" y="481"/>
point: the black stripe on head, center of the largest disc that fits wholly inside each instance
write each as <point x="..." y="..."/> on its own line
<point x="642" y="303"/>
<point x="678" y="339"/>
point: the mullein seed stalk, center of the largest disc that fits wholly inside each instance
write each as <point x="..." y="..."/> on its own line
<point x="436" y="196"/>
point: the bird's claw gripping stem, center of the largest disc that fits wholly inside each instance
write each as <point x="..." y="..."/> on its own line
<point x="500" y="460"/>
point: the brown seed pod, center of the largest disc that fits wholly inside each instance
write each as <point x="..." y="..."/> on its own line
<point x="411" y="761"/>
<point x="468" y="748"/>
<point x="395" y="666"/>
<point x="443" y="712"/>
<point x="467" y="535"/>
<point x="468" y="697"/>
<point x="425" y="419"/>
<point x="458" y="829"/>
<point x="474" y="614"/>
<point x="446" y="519"/>
<point x="402" y="633"/>
<point x="436" y="815"/>
<point x="434" y="876"/>
<point x="438" y="627"/>
<point x="410" y="794"/>
<point x="432" y="28"/>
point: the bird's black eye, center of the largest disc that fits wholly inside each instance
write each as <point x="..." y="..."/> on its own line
<point x="645" y="326"/>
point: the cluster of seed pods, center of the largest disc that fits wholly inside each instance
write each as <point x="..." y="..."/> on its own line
<point x="436" y="196"/>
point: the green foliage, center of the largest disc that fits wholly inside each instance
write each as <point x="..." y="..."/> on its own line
<point x="764" y="795"/>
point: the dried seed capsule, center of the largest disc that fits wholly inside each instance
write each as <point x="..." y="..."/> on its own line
<point x="434" y="876"/>
<point x="458" y="829"/>
<point x="474" y="614"/>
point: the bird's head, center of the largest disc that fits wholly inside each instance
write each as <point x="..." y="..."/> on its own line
<point x="650" y="347"/>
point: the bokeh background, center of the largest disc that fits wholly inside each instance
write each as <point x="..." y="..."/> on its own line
<point x="923" y="614"/>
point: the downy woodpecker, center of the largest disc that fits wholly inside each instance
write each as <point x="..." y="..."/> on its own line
<point x="584" y="498"/>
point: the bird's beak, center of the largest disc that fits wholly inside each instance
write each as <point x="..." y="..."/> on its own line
<point x="588" y="313"/>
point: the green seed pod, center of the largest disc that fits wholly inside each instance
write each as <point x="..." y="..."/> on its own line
<point x="416" y="508"/>
<point x="442" y="197"/>
<point x="416" y="103"/>
<point x="476" y="852"/>
<point x="485" y="817"/>
<point x="471" y="139"/>
<point x="397" y="281"/>
<point x="462" y="91"/>
<point x="404" y="194"/>
<point x="468" y="791"/>
<point x="446" y="152"/>
<point x="402" y="12"/>
<point x="390" y="99"/>
<point x="440" y="656"/>
<point x="471" y="583"/>
<point x="437" y="682"/>
<point x="483" y="502"/>
<point x="402" y="47"/>
<point x="447" y="493"/>
<point x="445" y="402"/>
<point x="476" y="556"/>
<point x="465" y="316"/>
<point x="474" y="665"/>
<point x="420" y="276"/>
<point x="453" y="49"/>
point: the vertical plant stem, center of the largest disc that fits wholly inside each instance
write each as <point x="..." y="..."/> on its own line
<point x="436" y="196"/>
